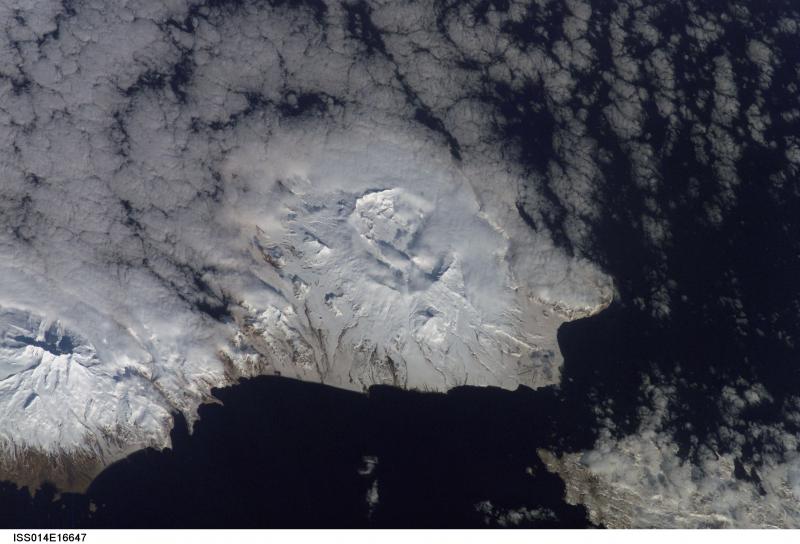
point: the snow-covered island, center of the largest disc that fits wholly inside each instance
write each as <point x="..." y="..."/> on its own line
<point x="191" y="194"/>
<point x="350" y="259"/>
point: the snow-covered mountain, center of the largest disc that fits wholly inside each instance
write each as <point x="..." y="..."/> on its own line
<point x="149" y="262"/>
<point x="351" y="260"/>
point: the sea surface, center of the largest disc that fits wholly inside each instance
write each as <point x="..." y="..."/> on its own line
<point x="282" y="453"/>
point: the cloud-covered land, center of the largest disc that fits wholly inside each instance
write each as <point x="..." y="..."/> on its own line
<point x="416" y="194"/>
<point x="195" y="193"/>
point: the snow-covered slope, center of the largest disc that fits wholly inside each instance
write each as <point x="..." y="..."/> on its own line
<point x="193" y="193"/>
<point x="351" y="260"/>
<point x="383" y="266"/>
<point x="66" y="411"/>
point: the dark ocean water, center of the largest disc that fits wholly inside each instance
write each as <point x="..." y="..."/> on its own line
<point x="282" y="453"/>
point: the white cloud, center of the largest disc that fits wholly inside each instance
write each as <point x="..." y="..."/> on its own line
<point x="512" y="517"/>
<point x="639" y="480"/>
<point x="158" y="206"/>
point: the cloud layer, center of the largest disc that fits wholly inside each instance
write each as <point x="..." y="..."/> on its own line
<point x="192" y="193"/>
